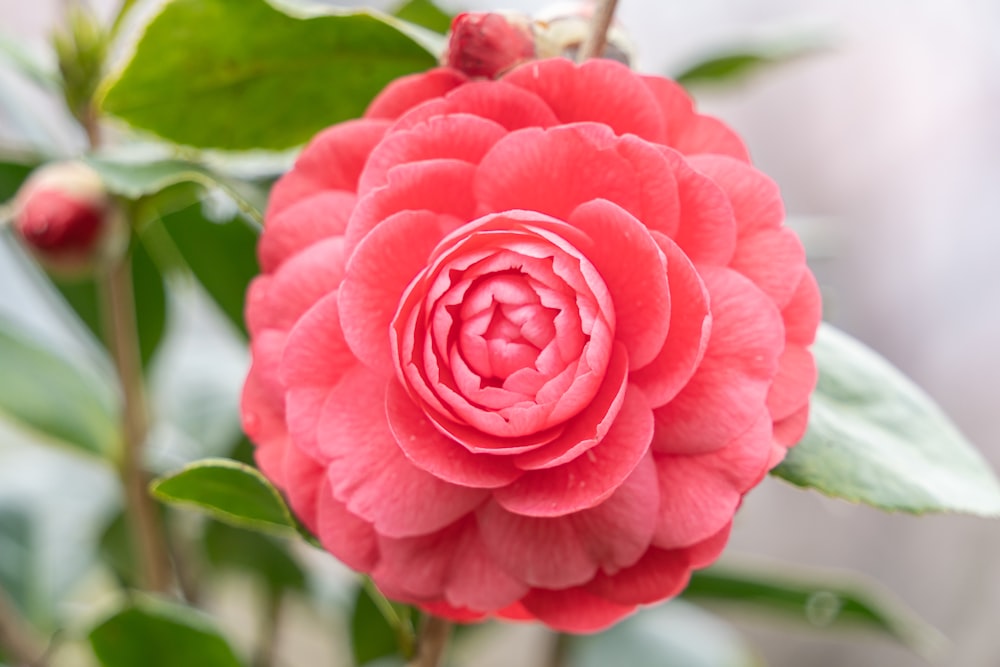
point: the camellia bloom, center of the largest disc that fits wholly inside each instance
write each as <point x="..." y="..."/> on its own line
<point x="521" y="346"/>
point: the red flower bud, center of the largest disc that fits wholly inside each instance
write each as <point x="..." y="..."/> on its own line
<point x="66" y="218"/>
<point x="487" y="44"/>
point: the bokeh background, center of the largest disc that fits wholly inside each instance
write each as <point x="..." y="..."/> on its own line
<point x="885" y="139"/>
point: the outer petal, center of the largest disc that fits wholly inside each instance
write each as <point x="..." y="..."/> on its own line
<point x="554" y="171"/>
<point x="377" y="275"/>
<point x="345" y="535"/>
<point x="599" y="90"/>
<point x="755" y="198"/>
<point x="728" y="391"/>
<point x="332" y="161"/>
<point x="371" y="475"/>
<point x="302" y="224"/>
<point x="796" y="378"/>
<point x="510" y="106"/>
<point x="408" y="91"/>
<point x="689" y="132"/>
<point x="699" y="494"/>
<point x="569" y="550"/>
<point x="574" y="609"/>
<point x="774" y="260"/>
<point x="658" y="575"/>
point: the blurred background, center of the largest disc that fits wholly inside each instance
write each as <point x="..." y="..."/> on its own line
<point x="885" y="138"/>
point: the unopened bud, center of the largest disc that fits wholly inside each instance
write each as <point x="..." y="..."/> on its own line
<point x="487" y="44"/>
<point x="67" y="219"/>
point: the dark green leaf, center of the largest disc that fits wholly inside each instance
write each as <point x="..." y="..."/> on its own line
<point x="819" y="599"/>
<point x="251" y="76"/>
<point x="258" y="554"/>
<point x="372" y="637"/>
<point x="50" y="396"/>
<point x="12" y="174"/>
<point x="115" y="550"/>
<point x="675" y="633"/>
<point x="222" y="256"/>
<point x="232" y="492"/>
<point x="424" y="13"/>
<point x="874" y="437"/>
<point x="154" y="633"/>
<point x="150" y="301"/>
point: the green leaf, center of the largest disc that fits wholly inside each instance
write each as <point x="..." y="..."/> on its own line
<point x="18" y="576"/>
<point x="154" y="633"/>
<point x="731" y="66"/>
<point x="251" y="76"/>
<point x="17" y="56"/>
<point x="372" y="637"/>
<point x="821" y="600"/>
<point x="676" y="633"/>
<point x="222" y="256"/>
<point x="424" y="13"/>
<point x="133" y="180"/>
<point x="874" y="437"/>
<point x="258" y="554"/>
<point x="229" y="491"/>
<point x="12" y="174"/>
<point x="48" y="395"/>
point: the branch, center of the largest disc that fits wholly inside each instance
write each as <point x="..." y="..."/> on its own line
<point x="431" y="643"/>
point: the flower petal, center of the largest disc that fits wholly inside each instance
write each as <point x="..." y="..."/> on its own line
<point x="587" y="480"/>
<point x="369" y="472"/>
<point x="574" y="609"/>
<point x="302" y="224"/>
<point x="408" y="91"/>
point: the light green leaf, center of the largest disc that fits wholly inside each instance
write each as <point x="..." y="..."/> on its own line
<point x="250" y="76"/>
<point x="133" y="179"/>
<point x="736" y="64"/>
<point x="874" y="437"/>
<point x="676" y="633"/>
<point x="229" y="491"/>
<point x="49" y="396"/>
<point x="424" y="13"/>
<point x="154" y="633"/>
<point x="820" y="599"/>
<point x="16" y="55"/>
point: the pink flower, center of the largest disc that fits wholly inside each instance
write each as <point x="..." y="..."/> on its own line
<point x="520" y="347"/>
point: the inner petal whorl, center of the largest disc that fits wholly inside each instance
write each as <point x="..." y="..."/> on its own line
<point x="507" y="345"/>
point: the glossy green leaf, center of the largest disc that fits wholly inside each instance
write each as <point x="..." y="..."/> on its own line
<point x="48" y="395"/>
<point x="153" y="633"/>
<point x="874" y="437"/>
<point x="424" y="13"/>
<point x="133" y="179"/>
<point x="821" y="600"/>
<point x="251" y="76"/>
<point x="675" y="633"/>
<point x="222" y="256"/>
<point x="229" y="491"/>
<point x="260" y="555"/>
<point x="731" y="66"/>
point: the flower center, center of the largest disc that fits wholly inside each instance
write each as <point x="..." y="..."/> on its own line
<point x="504" y="327"/>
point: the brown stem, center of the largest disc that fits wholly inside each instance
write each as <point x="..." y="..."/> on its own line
<point x="18" y="640"/>
<point x="560" y="647"/>
<point x="431" y="642"/>
<point x="148" y="541"/>
<point x="91" y="125"/>
<point x="597" y="35"/>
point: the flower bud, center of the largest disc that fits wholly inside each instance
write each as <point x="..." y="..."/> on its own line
<point x="67" y="219"/>
<point x="487" y="44"/>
